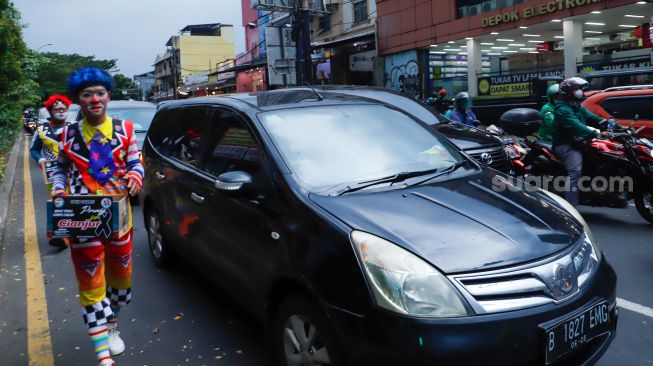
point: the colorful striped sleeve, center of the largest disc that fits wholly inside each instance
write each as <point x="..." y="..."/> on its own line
<point x="62" y="165"/>
<point x="133" y="160"/>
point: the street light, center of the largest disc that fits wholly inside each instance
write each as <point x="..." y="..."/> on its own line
<point x="45" y="45"/>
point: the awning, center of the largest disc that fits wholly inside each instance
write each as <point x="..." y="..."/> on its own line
<point x="242" y="67"/>
<point x="350" y="37"/>
<point x="210" y="85"/>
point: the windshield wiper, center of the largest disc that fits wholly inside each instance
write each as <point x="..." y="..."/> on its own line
<point x="450" y="169"/>
<point x="399" y="177"/>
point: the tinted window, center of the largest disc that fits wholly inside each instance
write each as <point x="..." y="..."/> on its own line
<point x="231" y="146"/>
<point x="628" y="107"/>
<point x="327" y="146"/>
<point x="163" y="126"/>
<point x="186" y="143"/>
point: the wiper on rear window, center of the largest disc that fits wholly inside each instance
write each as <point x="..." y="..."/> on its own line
<point x="399" y="177"/>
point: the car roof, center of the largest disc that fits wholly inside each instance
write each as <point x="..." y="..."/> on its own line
<point x="276" y="99"/>
<point x="130" y="104"/>
<point x="622" y="91"/>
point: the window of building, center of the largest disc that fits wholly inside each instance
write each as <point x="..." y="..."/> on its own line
<point x="325" y="23"/>
<point x="360" y="10"/>
<point x="468" y="8"/>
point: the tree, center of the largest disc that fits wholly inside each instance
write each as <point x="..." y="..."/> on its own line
<point x="55" y="69"/>
<point x="123" y="83"/>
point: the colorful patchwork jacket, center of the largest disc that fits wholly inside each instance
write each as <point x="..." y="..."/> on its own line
<point x="46" y="142"/>
<point x="75" y="161"/>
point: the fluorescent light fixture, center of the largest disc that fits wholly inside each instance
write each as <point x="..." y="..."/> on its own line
<point x="468" y="38"/>
<point x="463" y="46"/>
<point x="439" y="52"/>
<point x="533" y="41"/>
<point x="485" y="50"/>
<point x="451" y="42"/>
<point x="596" y="12"/>
<point x="634" y="16"/>
<point x="453" y="49"/>
<point x="487" y="43"/>
<point x="433" y="45"/>
<point x="594" y="32"/>
<point x="522" y="27"/>
<point x="530" y="35"/>
<point x="505" y="40"/>
<point x="494" y="54"/>
<point x="494" y="33"/>
<point x="462" y="53"/>
<point x="593" y="38"/>
<point x="499" y="48"/>
<point x="641" y="3"/>
<point x="533" y="52"/>
<point x="556" y="20"/>
<point x="628" y="25"/>
<point x="527" y="48"/>
<point x="507" y="51"/>
<point x="559" y="37"/>
<point x="516" y="44"/>
<point x="594" y="23"/>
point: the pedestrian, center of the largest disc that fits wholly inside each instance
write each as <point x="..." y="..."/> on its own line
<point x="545" y="132"/>
<point x="99" y="156"/>
<point x="462" y="111"/>
<point x="571" y="131"/>
<point x="45" y="145"/>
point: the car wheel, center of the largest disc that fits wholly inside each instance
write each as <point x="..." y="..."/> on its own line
<point x="161" y="253"/>
<point x="644" y="203"/>
<point x="303" y="336"/>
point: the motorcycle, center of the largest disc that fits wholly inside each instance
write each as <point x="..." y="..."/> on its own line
<point x="30" y="126"/>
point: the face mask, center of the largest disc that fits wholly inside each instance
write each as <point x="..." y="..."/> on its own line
<point x="578" y="94"/>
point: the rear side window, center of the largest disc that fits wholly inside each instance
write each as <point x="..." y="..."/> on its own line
<point x="186" y="144"/>
<point x="628" y="107"/>
<point x="163" y="126"/>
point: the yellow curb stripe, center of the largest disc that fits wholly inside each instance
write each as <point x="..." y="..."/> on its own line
<point x="39" y="344"/>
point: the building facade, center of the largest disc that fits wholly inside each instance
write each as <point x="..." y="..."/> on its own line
<point x="145" y="83"/>
<point x="191" y="56"/>
<point x="495" y="48"/>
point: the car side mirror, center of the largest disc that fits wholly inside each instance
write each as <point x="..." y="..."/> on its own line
<point x="636" y="117"/>
<point x="235" y="181"/>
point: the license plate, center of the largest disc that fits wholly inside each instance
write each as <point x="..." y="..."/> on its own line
<point x="576" y="330"/>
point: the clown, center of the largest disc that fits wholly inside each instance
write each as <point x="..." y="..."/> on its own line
<point x="45" y="146"/>
<point x="99" y="156"/>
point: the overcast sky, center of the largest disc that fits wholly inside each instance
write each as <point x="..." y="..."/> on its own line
<point x="131" y="31"/>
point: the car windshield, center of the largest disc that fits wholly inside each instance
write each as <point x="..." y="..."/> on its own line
<point x="142" y="117"/>
<point x="44" y="115"/>
<point x="328" y="146"/>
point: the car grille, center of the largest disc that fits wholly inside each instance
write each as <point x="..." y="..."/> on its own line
<point x="499" y="162"/>
<point x="521" y="287"/>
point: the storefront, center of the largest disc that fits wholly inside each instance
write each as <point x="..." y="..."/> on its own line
<point x="348" y="60"/>
<point x="496" y="48"/>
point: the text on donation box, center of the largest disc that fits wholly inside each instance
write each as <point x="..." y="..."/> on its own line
<point x="88" y="217"/>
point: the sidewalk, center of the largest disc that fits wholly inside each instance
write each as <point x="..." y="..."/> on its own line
<point x="8" y="183"/>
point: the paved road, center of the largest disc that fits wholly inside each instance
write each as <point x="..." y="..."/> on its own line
<point x="178" y="318"/>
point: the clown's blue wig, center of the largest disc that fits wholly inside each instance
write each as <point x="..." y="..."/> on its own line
<point x="88" y="76"/>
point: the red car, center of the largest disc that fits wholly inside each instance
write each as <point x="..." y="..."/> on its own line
<point x="627" y="104"/>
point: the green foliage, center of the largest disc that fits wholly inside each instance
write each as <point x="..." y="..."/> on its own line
<point x="123" y="83"/>
<point x="54" y="69"/>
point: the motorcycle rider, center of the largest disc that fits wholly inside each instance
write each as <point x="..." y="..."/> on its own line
<point x="545" y="132"/>
<point x="45" y="145"/>
<point x="462" y="112"/>
<point x="571" y="130"/>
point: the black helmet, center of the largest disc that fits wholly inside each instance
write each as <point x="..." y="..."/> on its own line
<point x="462" y="100"/>
<point x="569" y="86"/>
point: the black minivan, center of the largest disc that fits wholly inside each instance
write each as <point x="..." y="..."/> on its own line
<point x="360" y="236"/>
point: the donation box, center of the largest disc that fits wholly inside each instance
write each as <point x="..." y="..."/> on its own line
<point x="84" y="217"/>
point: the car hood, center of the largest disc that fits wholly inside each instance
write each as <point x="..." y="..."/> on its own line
<point x="462" y="224"/>
<point x="465" y="137"/>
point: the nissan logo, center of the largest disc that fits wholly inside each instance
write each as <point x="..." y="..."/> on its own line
<point x="486" y="158"/>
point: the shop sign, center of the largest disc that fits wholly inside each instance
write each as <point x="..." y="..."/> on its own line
<point x="512" y="86"/>
<point x="619" y="65"/>
<point x="536" y="10"/>
<point x="363" y="61"/>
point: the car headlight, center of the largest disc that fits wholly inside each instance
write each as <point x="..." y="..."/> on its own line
<point x="403" y="283"/>
<point x="572" y="210"/>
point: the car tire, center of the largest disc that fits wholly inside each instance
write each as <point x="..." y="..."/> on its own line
<point x="161" y="253"/>
<point x="302" y="334"/>
<point x="644" y="203"/>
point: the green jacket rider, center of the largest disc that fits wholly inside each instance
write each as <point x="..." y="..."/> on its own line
<point x="545" y="132"/>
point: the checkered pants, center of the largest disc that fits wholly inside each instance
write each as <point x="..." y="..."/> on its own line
<point x="103" y="270"/>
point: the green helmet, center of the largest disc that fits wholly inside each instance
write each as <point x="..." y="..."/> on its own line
<point x="553" y="92"/>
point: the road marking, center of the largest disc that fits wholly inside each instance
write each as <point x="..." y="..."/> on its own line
<point x="39" y="343"/>
<point x="641" y="309"/>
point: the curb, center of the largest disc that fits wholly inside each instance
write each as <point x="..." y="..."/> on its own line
<point x="8" y="183"/>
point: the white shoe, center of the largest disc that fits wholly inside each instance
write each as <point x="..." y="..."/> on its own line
<point x="116" y="345"/>
<point x="108" y="362"/>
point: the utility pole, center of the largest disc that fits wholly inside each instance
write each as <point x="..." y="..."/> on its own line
<point x="302" y="28"/>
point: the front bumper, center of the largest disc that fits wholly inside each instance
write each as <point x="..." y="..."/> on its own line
<point x="510" y="338"/>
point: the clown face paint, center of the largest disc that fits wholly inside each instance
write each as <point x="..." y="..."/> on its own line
<point x="58" y="112"/>
<point x="93" y="101"/>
